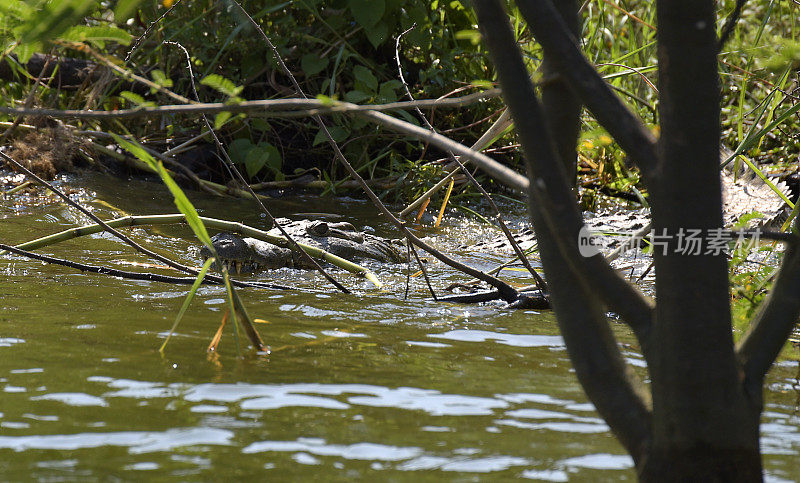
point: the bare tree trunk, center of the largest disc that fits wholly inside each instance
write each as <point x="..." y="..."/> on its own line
<point x="562" y="109"/>
<point x="706" y="403"/>
<point x="581" y="314"/>
<point x="704" y="425"/>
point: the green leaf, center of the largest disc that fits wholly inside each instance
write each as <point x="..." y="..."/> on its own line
<point x="260" y="124"/>
<point x="313" y="64"/>
<point x="393" y="83"/>
<point x="53" y="18"/>
<point x="365" y="80"/>
<point x="160" y="78"/>
<point x="473" y="35"/>
<point x="188" y="300"/>
<point x="17" y="9"/>
<point x="238" y="150"/>
<point x="275" y="160"/>
<point x="221" y="84"/>
<point x="408" y="117"/>
<point x="181" y="201"/>
<point x="26" y="50"/>
<point x="377" y="34"/>
<point x="744" y="220"/>
<point x="325" y="100"/>
<point x="338" y="134"/>
<point x="387" y="92"/>
<point x="132" y="97"/>
<point x="261" y="155"/>
<point x="255" y="160"/>
<point x="124" y="10"/>
<point x="319" y="138"/>
<point x="96" y="34"/>
<point x="367" y="12"/>
<point x="135" y="99"/>
<point x="221" y="118"/>
<point x="355" y="96"/>
<point x="482" y="83"/>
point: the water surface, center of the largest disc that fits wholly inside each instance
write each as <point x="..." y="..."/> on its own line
<point x="368" y="385"/>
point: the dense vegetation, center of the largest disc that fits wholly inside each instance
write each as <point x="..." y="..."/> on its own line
<point x="346" y="50"/>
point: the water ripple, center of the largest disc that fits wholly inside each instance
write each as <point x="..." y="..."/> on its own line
<point x="136" y="441"/>
<point x="72" y="399"/>
<point x="516" y="340"/>
<point x="357" y="451"/>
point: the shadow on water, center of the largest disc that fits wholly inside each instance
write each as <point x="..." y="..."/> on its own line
<point x="356" y="386"/>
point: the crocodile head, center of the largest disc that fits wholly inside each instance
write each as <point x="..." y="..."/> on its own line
<point x="247" y="255"/>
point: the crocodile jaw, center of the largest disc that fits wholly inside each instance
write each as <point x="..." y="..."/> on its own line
<point x="247" y="255"/>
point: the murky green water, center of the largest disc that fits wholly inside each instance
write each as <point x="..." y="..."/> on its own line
<point x="357" y="386"/>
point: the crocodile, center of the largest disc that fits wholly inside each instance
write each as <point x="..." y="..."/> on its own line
<point x="743" y="193"/>
<point x="248" y="255"/>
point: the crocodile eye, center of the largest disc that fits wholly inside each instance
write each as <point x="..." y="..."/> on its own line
<point x="318" y="228"/>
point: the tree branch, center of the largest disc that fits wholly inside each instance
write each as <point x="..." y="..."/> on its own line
<point x="505" y="175"/>
<point x="113" y="272"/>
<point x="562" y="49"/>
<point x="304" y="107"/>
<point x="593" y="350"/>
<point x="773" y="324"/>
<point x="561" y="108"/>
<point x="553" y="191"/>
<point x="508" y="292"/>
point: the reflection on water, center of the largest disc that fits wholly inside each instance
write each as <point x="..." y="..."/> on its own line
<point x="365" y="386"/>
<point x="135" y="441"/>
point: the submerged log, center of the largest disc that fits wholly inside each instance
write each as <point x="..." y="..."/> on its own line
<point x="61" y="72"/>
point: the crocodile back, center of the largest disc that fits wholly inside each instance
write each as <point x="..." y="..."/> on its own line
<point x="744" y="192"/>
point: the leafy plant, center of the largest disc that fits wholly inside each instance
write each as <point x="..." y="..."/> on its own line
<point x="255" y="157"/>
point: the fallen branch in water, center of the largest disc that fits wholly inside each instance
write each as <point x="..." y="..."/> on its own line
<point x="150" y="277"/>
<point x="132" y="220"/>
<point x="540" y="283"/>
<point x="238" y="176"/>
<point x="491" y="166"/>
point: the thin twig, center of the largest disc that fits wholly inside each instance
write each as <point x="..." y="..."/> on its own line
<point x="230" y="165"/>
<point x="540" y="283"/>
<point x="97" y="220"/>
<point x="113" y="272"/>
<point x="301" y="106"/>
<point x="506" y="290"/>
<point x="148" y="29"/>
<point x="422" y="269"/>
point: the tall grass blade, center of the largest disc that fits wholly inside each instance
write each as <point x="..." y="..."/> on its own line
<point x="187" y="301"/>
<point x="181" y="201"/>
